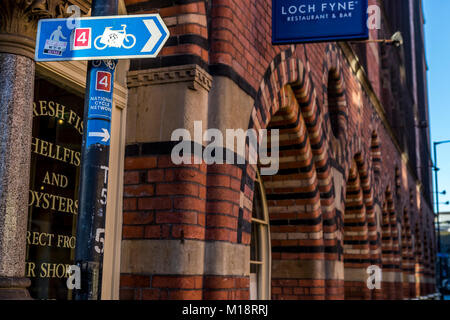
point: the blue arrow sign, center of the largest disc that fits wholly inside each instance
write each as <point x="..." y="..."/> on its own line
<point x="98" y="131"/>
<point x="98" y="38"/>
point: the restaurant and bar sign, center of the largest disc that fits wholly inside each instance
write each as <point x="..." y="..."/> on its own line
<point x="300" y="21"/>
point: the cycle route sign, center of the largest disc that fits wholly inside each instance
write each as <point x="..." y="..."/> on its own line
<point x="99" y="38"/>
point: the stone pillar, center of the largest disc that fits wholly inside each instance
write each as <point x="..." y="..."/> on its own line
<point x="16" y="99"/>
<point x="18" y="21"/>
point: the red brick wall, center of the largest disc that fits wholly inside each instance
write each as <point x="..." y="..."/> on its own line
<point x="187" y="202"/>
<point x="162" y="201"/>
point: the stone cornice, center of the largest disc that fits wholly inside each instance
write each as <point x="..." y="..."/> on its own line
<point x="187" y="73"/>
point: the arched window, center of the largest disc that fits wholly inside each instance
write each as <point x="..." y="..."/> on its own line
<point x="260" y="257"/>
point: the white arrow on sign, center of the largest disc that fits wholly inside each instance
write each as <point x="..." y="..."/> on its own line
<point x="155" y="35"/>
<point x="105" y="135"/>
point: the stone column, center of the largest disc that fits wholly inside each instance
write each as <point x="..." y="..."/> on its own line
<point x="18" y="21"/>
<point x="16" y="99"/>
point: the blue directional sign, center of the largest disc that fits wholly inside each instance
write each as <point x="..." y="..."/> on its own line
<point x="96" y="38"/>
<point x="300" y="21"/>
<point x="101" y="90"/>
<point x="99" y="101"/>
<point x="98" y="132"/>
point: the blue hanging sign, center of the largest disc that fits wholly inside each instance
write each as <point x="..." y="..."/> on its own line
<point x="300" y="21"/>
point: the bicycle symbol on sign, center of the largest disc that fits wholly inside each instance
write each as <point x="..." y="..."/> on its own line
<point x="115" y="39"/>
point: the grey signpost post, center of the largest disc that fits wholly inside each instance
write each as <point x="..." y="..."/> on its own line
<point x="102" y="39"/>
<point x="436" y="169"/>
<point x="94" y="169"/>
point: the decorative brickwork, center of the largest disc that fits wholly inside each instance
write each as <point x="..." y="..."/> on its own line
<point x="344" y="198"/>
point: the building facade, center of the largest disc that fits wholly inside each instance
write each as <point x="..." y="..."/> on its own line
<point x="348" y="214"/>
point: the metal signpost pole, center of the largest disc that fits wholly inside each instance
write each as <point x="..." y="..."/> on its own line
<point x="94" y="170"/>
<point x="436" y="169"/>
<point x="437" y="215"/>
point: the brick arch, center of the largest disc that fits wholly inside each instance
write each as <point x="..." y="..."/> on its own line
<point x="335" y="104"/>
<point x="356" y="238"/>
<point x="378" y="294"/>
<point x="375" y="153"/>
<point x="392" y="249"/>
<point x="367" y="187"/>
<point x="408" y="227"/>
<point x="396" y="248"/>
<point x="334" y="95"/>
<point x="313" y="113"/>
<point x="287" y="100"/>
<point x="293" y="199"/>
<point x="418" y="260"/>
<point x="387" y="245"/>
<point x="407" y="256"/>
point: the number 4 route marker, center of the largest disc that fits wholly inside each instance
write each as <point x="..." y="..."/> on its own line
<point x="99" y="38"/>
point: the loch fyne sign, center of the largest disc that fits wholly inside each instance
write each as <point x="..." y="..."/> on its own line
<point x="297" y="21"/>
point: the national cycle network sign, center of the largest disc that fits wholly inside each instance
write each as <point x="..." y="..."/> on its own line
<point x="97" y="38"/>
<point x="301" y="21"/>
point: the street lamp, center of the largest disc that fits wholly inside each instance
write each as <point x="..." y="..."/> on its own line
<point x="436" y="169"/>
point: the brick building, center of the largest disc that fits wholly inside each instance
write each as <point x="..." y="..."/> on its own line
<point x="353" y="189"/>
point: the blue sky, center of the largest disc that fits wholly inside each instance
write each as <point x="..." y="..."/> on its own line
<point x="437" y="34"/>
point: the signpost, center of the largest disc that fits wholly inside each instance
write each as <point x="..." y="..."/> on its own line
<point x="103" y="39"/>
<point x="94" y="178"/>
<point x="300" y="21"/>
